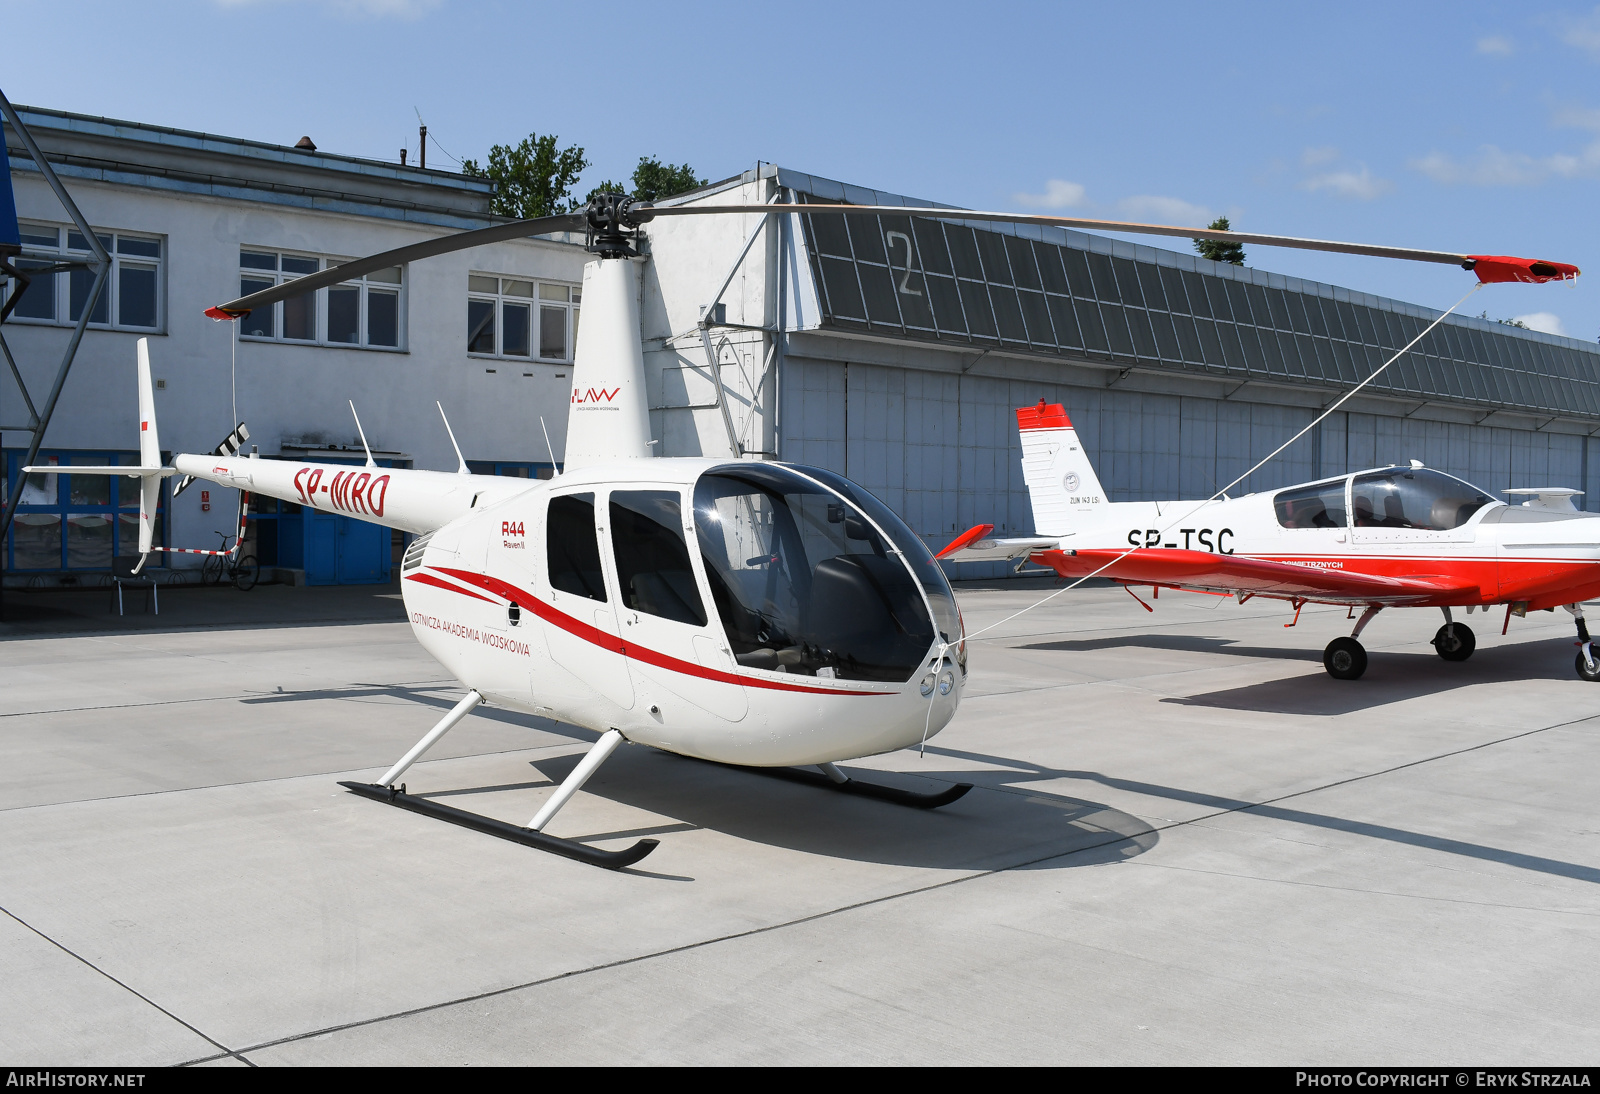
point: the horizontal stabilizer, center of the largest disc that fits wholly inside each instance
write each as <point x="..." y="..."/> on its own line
<point x="79" y="469"/>
<point x="975" y="545"/>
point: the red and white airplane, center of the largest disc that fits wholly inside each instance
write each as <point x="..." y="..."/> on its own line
<point x="1403" y="536"/>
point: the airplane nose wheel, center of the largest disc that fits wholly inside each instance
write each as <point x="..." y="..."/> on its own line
<point x="1345" y="659"/>
<point x="1455" y="642"/>
<point x="1587" y="670"/>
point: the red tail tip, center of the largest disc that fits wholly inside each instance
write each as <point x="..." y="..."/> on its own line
<point x="1043" y="416"/>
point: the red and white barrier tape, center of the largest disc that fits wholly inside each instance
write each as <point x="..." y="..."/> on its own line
<point x="244" y="509"/>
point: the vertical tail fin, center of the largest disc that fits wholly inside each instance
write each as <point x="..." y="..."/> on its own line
<point x="149" y="453"/>
<point x="1061" y="481"/>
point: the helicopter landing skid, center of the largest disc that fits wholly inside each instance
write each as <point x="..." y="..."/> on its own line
<point x="580" y="852"/>
<point x="826" y="779"/>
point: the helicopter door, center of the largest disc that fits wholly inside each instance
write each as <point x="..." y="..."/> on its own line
<point x="583" y="639"/>
<point x="663" y="617"/>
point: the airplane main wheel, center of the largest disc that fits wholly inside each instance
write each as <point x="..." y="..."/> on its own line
<point x="1586" y="671"/>
<point x="1345" y="659"/>
<point x="1455" y="642"/>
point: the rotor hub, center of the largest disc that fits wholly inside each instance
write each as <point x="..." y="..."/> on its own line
<point x="614" y="221"/>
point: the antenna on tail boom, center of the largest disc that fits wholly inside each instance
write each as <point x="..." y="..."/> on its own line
<point x="370" y="461"/>
<point x="461" y="468"/>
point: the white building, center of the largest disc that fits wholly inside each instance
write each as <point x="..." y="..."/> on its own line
<point x="194" y="219"/>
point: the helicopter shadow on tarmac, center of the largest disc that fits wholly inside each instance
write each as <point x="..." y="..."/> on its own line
<point x="1391" y="676"/>
<point x="990" y="828"/>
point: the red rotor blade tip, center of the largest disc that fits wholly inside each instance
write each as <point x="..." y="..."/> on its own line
<point x="223" y="316"/>
<point x="1530" y="271"/>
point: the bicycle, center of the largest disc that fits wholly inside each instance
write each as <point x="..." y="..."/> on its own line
<point x="241" y="570"/>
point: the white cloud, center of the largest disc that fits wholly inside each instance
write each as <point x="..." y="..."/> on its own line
<point x="1165" y="210"/>
<point x="1584" y="33"/>
<point x="1360" y="184"/>
<point x="1316" y="157"/>
<point x="1577" y="117"/>
<point x="1496" y="45"/>
<point x="1058" y="194"/>
<point x="1546" y="321"/>
<point x="1494" y="166"/>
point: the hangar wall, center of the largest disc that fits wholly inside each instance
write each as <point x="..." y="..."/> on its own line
<point x="943" y="450"/>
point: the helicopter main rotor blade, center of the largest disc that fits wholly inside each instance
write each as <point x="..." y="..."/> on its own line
<point x="1373" y="250"/>
<point x="428" y="248"/>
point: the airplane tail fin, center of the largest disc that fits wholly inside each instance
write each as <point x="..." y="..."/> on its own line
<point x="1061" y="480"/>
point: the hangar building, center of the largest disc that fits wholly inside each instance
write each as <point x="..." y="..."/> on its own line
<point x="896" y="349"/>
<point x="891" y="349"/>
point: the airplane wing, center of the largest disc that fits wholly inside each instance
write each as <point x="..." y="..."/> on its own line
<point x="1216" y="573"/>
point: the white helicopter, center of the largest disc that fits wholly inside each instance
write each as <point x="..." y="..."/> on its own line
<point x="761" y="614"/>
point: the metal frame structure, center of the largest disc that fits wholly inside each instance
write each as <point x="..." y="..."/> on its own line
<point x="100" y="263"/>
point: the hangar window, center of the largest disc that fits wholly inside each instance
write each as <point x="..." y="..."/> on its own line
<point x="133" y="297"/>
<point x="364" y="312"/>
<point x="521" y="318"/>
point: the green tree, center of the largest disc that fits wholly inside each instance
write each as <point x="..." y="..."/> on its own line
<point x="1217" y="250"/>
<point x="652" y="180"/>
<point x="534" y="179"/>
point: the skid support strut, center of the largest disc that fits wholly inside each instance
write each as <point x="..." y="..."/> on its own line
<point x="446" y="724"/>
<point x="831" y="778"/>
<point x="386" y="791"/>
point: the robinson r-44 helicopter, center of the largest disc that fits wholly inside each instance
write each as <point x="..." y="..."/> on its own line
<point x="757" y="613"/>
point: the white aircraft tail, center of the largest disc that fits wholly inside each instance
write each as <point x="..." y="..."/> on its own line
<point x="1061" y="480"/>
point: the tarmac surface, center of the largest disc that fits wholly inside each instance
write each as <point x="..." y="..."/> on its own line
<point x="1187" y="845"/>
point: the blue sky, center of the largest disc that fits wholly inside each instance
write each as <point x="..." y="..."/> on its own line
<point x="1462" y="126"/>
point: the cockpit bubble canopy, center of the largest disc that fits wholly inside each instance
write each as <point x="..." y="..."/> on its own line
<point x="805" y="583"/>
<point x="1412" y="497"/>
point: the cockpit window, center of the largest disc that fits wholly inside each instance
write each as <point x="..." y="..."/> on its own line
<point x="940" y="597"/>
<point x="1413" y="497"/>
<point x="802" y="581"/>
<point x="1320" y="505"/>
<point x="571" y="549"/>
<point x="653" y="568"/>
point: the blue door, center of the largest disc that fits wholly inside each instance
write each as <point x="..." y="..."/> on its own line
<point x="363" y="550"/>
<point x="322" y="547"/>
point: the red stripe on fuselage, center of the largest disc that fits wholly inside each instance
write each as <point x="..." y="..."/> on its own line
<point x="429" y="579"/>
<point x="614" y="644"/>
